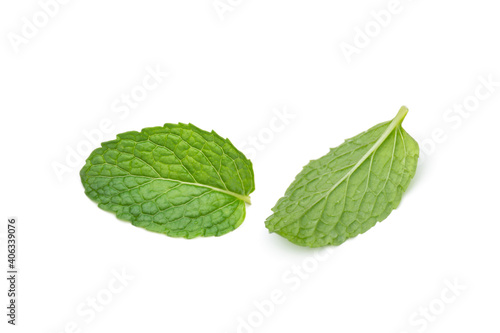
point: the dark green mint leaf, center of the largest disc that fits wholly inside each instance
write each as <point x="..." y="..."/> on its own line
<point x="177" y="180"/>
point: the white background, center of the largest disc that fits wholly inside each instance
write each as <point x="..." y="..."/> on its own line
<point x="229" y="75"/>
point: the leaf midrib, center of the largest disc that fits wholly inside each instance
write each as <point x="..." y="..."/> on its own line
<point x="244" y="198"/>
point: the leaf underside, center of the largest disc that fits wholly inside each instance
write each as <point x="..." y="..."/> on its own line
<point x="177" y="180"/>
<point x="350" y="189"/>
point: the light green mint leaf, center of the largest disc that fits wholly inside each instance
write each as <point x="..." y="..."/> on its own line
<point x="350" y="189"/>
<point x="177" y="180"/>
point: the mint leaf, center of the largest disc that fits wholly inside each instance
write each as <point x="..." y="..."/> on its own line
<point x="350" y="189"/>
<point x="177" y="180"/>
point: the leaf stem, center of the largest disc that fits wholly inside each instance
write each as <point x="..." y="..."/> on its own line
<point x="401" y="115"/>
